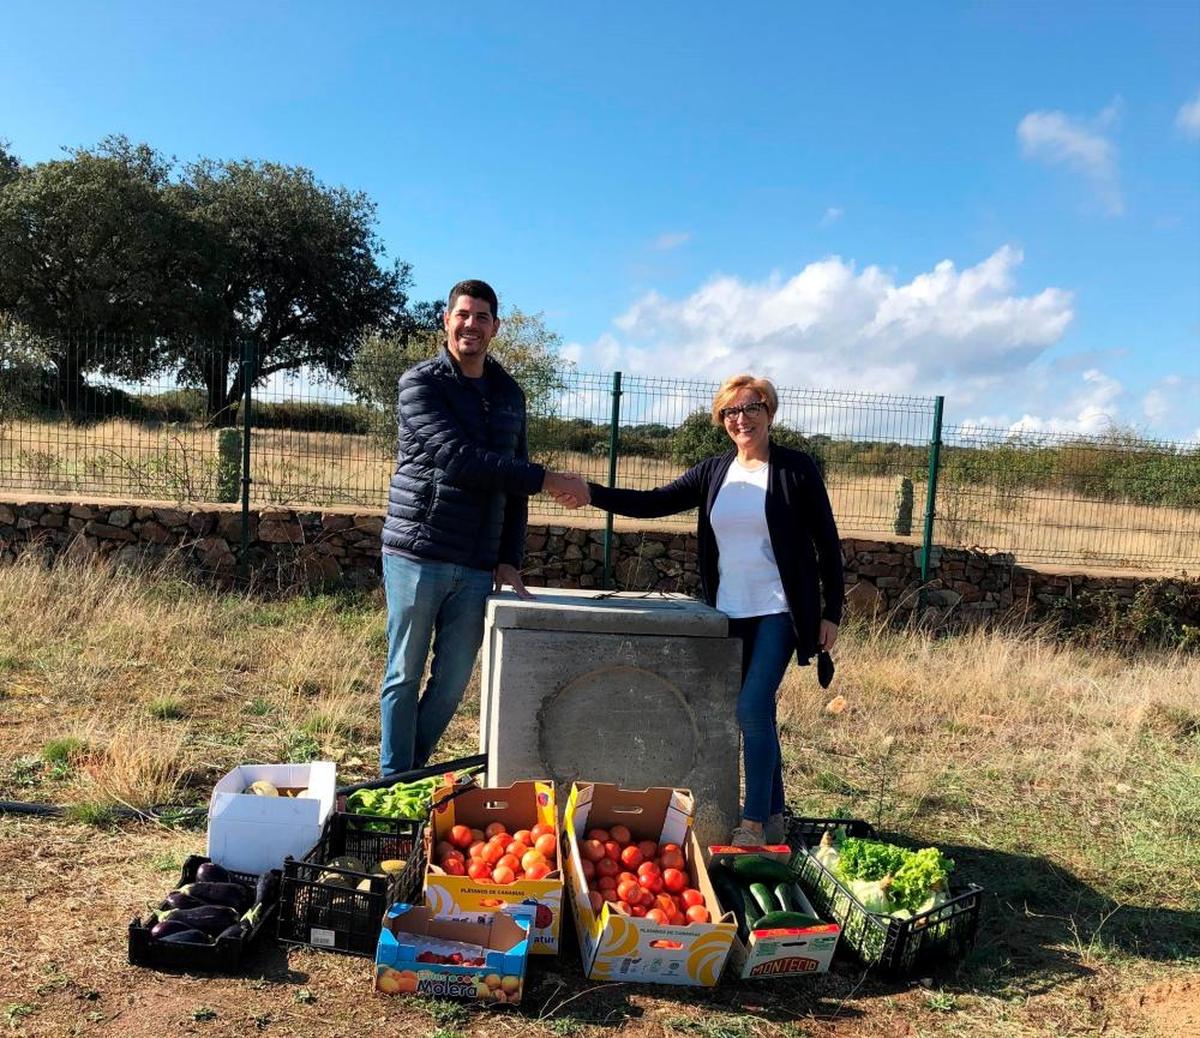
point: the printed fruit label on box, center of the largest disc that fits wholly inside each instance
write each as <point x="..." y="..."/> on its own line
<point x="496" y="849"/>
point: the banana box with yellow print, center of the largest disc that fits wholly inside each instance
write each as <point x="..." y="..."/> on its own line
<point x="519" y="806"/>
<point x="620" y="947"/>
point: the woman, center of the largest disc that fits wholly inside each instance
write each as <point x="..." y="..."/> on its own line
<point x="768" y="554"/>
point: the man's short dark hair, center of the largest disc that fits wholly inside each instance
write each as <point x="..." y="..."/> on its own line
<point x="476" y="290"/>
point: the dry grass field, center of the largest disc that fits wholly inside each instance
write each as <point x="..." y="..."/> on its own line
<point x="1064" y="781"/>
<point x="180" y="462"/>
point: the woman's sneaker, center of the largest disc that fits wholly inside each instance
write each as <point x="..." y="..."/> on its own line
<point x="743" y="837"/>
<point x="775" y="831"/>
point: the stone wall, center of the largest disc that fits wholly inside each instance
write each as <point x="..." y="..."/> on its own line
<point x="291" y="548"/>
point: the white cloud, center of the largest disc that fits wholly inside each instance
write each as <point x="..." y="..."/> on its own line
<point x="831" y="326"/>
<point x="670" y="240"/>
<point x="1056" y="139"/>
<point x="1188" y="117"/>
<point x="1091" y="409"/>
<point x="832" y="215"/>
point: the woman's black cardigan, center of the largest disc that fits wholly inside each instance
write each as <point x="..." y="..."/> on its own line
<point x="800" y="522"/>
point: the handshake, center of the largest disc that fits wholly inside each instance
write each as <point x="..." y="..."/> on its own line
<point x="567" y="488"/>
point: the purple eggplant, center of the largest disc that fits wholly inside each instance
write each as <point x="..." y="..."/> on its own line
<point x="232" y="894"/>
<point x="178" y="899"/>
<point x="211" y="872"/>
<point x="212" y="919"/>
<point x="166" y="927"/>
<point x="187" y="936"/>
<point x="233" y="932"/>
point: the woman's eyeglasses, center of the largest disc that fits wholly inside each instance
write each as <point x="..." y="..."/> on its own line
<point x="751" y="410"/>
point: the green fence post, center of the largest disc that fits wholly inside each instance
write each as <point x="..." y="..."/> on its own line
<point x="613" y="437"/>
<point x="247" y="372"/>
<point x="935" y="456"/>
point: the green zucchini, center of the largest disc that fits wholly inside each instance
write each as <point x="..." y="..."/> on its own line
<point x="764" y="897"/>
<point x="786" y="921"/>
<point x="752" y="908"/>
<point x="729" y="893"/>
<point x="757" y="868"/>
<point x="785" y="894"/>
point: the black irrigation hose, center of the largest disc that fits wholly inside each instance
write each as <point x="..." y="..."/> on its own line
<point x="189" y="814"/>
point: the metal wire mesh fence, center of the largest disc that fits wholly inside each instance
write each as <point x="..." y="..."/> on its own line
<point x="157" y="419"/>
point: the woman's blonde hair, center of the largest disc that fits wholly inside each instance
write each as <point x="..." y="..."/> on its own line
<point x="734" y="385"/>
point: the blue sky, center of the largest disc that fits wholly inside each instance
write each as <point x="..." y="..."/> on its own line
<point x="997" y="202"/>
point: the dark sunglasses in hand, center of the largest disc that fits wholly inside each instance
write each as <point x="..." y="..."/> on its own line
<point x="752" y="410"/>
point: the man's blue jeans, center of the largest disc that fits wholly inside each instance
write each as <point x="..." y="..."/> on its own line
<point x="438" y="601"/>
<point x="768" y="643"/>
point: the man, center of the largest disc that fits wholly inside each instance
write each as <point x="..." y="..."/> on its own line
<point x="455" y="527"/>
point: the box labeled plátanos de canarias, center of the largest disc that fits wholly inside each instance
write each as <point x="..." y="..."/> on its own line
<point x="521" y="806"/>
<point x="616" y="946"/>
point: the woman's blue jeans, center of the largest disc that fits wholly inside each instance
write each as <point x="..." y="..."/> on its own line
<point x="768" y="643"/>
<point x="438" y="601"/>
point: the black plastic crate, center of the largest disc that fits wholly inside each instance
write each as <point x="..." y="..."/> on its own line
<point x="225" y="955"/>
<point x="941" y="936"/>
<point x="345" y="918"/>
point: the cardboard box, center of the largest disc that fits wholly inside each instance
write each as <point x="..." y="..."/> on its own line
<point x="620" y="947"/>
<point x="252" y="833"/>
<point x="519" y="806"/>
<point x="411" y="930"/>
<point x="780" y="952"/>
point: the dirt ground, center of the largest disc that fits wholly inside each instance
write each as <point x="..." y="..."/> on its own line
<point x="71" y="891"/>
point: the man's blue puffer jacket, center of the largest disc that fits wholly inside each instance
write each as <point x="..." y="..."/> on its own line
<point x="462" y="481"/>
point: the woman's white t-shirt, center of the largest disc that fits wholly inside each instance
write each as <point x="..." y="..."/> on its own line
<point x="749" y="578"/>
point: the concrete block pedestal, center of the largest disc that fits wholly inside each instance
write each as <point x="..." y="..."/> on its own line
<point x="634" y="689"/>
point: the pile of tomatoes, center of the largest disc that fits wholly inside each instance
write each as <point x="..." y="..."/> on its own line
<point x="494" y="855"/>
<point x="640" y="878"/>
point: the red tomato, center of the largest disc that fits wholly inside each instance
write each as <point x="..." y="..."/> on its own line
<point x="631" y="856"/>
<point x="620" y="833"/>
<point x="495" y="829"/>
<point x="593" y="850"/>
<point x="606" y="883"/>
<point x="697" y="914"/>
<point x="654" y="915"/>
<point x="524" y="836"/>
<point x="652" y="882"/>
<point x="537" y="871"/>
<point x="547" y="844"/>
<point x="502" y="874"/>
<point x="674" y="880"/>
<point x="612" y="849"/>
<point x="624" y="907"/>
<point x="628" y="891"/>
<point x="648" y="868"/>
<point x="476" y="849"/>
<point x="444" y="849"/>
<point x="665" y="904"/>
<point x="589" y="869"/>
<point x="596" y="900"/>
<point x="460" y="836"/>
<point x="454" y="867"/>
<point x="517" y="849"/>
<point x="679" y="919"/>
<point x="492" y="853"/>
<point x="670" y="847"/>
<point x="479" y="869"/>
<point x="607" y="867"/>
<point x="691" y="896"/>
<point x="531" y="858"/>
<point x="541" y="829"/>
<point x="598" y="834"/>
<point x="631" y="876"/>
<point x="510" y="861"/>
<point x="637" y="910"/>
<point x="610" y="896"/>
<point x="671" y="860"/>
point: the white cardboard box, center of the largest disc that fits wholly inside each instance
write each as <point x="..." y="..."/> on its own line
<point x="252" y="833"/>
